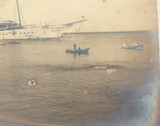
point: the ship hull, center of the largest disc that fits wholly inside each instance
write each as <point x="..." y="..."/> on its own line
<point x="30" y="34"/>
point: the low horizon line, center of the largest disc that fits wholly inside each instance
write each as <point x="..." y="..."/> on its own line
<point x="144" y="31"/>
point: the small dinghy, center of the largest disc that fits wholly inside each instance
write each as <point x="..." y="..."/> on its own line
<point x="78" y="51"/>
<point x="132" y="46"/>
<point x="139" y="47"/>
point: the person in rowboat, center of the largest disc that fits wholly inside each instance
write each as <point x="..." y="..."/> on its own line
<point x="74" y="46"/>
<point x="135" y="44"/>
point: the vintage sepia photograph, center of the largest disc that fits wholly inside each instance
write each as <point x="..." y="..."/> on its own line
<point x="79" y="63"/>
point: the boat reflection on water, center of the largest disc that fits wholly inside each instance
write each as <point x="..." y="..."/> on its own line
<point x="78" y="52"/>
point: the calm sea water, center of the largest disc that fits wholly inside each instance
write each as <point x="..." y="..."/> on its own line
<point x="109" y="86"/>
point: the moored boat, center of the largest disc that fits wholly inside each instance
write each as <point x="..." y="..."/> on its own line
<point x="132" y="46"/>
<point x="78" y="51"/>
<point x="11" y="30"/>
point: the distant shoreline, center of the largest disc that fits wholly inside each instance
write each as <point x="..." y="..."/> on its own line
<point x="117" y="32"/>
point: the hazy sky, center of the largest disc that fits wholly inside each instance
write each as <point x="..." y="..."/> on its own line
<point x="102" y="15"/>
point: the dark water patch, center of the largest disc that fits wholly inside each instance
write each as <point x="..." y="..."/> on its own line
<point x="14" y="42"/>
<point x="80" y="67"/>
<point x="115" y="67"/>
<point x="12" y="123"/>
<point x="64" y="68"/>
<point x="108" y="66"/>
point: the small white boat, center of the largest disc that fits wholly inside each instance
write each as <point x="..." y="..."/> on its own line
<point x="134" y="46"/>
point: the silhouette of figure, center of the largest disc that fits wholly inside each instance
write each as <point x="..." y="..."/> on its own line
<point x="74" y="46"/>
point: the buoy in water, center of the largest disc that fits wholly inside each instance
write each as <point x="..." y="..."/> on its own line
<point x="32" y="83"/>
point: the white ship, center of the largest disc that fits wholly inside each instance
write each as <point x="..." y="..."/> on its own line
<point x="10" y="30"/>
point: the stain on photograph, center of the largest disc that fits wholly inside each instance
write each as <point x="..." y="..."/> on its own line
<point x="79" y="63"/>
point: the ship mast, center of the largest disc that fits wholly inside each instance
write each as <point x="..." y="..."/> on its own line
<point x="18" y="14"/>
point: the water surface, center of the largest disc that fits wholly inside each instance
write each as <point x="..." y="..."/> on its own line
<point x="109" y="86"/>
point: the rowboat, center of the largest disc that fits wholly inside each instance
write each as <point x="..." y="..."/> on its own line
<point x="132" y="46"/>
<point x="138" y="47"/>
<point x="79" y="51"/>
